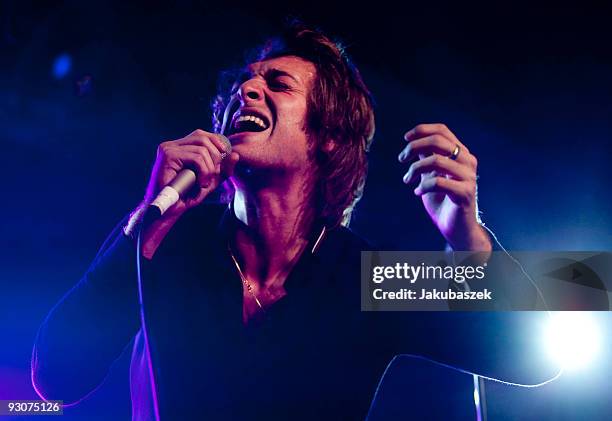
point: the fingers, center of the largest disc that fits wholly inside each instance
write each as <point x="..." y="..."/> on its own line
<point x="431" y="145"/>
<point x="207" y="185"/>
<point x="229" y="164"/>
<point x="441" y="165"/>
<point x="435" y="144"/>
<point x="423" y="130"/>
<point x="210" y="155"/>
<point x="460" y="192"/>
<point x="201" y="138"/>
<point x="177" y="158"/>
<point x="437" y="140"/>
<point x="203" y="152"/>
<point x="200" y="150"/>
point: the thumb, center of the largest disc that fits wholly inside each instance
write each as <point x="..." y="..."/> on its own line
<point x="229" y="164"/>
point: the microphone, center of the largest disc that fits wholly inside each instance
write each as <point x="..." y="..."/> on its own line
<point x="180" y="185"/>
<point x="186" y="178"/>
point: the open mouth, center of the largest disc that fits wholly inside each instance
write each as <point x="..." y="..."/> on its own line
<point x="247" y="121"/>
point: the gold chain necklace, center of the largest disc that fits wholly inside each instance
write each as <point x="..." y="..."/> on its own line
<point x="244" y="279"/>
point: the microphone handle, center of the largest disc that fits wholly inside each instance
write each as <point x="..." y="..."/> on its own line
<point x="186" y="178"/>
<point x="169" y="195"/>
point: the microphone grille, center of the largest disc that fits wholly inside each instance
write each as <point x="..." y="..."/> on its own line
<point x="228" y="145"/>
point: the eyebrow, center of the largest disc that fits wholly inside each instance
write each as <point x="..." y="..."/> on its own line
<point x="273" y="72"/>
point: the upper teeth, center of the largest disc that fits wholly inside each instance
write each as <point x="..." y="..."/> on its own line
<point x="252" y="118"/>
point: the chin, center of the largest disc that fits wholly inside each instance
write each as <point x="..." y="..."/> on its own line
<point x="243" y="137"/>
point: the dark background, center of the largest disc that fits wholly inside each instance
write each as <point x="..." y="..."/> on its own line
<point x="526" y="88"/>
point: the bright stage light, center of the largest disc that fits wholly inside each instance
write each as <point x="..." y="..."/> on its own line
<point x="572" y="339"/>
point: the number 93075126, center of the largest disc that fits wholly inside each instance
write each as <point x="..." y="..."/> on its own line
<point x="31" y="407"/>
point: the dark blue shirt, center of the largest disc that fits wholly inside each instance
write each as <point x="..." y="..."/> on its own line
<point x="313" y="354"/>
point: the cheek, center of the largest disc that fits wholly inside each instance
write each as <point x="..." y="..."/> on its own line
<point x="294" y="113"/>
<point x="294" y="120"/>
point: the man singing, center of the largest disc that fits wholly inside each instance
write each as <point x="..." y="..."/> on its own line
<point x="252" y="310"/>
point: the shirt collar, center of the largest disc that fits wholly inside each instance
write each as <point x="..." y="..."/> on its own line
<point x="229" y="223"/>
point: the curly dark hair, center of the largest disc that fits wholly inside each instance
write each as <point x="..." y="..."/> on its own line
<point x="339" y="108"/>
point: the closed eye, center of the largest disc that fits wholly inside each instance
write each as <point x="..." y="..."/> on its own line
<point x="277" y="85"/>
<point x="278" y="80"/>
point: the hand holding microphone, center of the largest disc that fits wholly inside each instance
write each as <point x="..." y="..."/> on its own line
<point x="187" y="170"/>
<point x="192" y="167"/>
<point x="207" y="162"/>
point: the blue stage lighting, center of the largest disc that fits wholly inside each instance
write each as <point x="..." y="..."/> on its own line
<point x="61" y="66"/>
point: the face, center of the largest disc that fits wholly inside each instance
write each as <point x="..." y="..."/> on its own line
<point x="268" y="129"/>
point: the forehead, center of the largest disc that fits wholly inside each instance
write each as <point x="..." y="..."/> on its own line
<point x="301" y="70"/>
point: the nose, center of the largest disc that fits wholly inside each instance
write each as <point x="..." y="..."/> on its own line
<point x="250" y="90"/>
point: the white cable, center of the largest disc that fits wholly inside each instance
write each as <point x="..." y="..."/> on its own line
<point x="493" y="379"/>
<point x="476" y="375"/>
<point x="521" y="267"/>
<point x="139" y="227"/>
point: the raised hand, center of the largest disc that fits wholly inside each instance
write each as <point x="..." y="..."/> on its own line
<point x="445" y="173"/>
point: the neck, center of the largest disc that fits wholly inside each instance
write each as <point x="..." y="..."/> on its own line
<point x="276" y="220"/>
